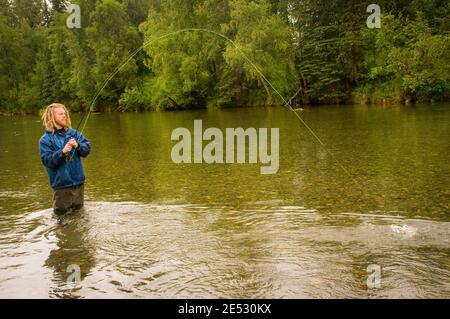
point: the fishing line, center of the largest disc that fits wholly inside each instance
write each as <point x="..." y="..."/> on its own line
<point x="86" y="115"/>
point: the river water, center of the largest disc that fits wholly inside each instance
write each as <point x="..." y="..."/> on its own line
<point x="377" y="195"/>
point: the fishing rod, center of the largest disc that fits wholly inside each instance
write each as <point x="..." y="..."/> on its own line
<point x="78" y="133"/>
<point x="286" y="103"/>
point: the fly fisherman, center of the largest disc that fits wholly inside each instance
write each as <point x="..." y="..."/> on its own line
<point x="60" y="150"/>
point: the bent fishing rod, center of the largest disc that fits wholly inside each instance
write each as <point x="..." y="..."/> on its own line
<point x="78" y="133"/>
<point x="286" y="103"/>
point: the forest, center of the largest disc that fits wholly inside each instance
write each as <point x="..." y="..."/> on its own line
<point x="142" y="55"/>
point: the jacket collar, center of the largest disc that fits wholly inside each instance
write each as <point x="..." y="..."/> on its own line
<point x="61" y="131"/>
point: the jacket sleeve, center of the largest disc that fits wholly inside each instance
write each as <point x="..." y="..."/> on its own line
<point x="84" y="146"/>
<point x="49" y="157"/>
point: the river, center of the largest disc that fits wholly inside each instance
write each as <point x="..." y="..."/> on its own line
<point x="377" y="195"/>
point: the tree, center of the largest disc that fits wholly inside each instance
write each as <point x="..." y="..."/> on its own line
<point x="266" y="42"/>
<point x="311" y="52"/>
<point x="216" y="66"/>
<point x="112" y="40"/>
<point x="137" y="10"/>
<point x="184" y="64"/>
<point x="12" y="63"/>
<point x="58" y="5"/>
<point x="28" y="11"/>
<point x="406" y="62"/>
<point x="21" y="39"/>
<point x="329" y="48"/>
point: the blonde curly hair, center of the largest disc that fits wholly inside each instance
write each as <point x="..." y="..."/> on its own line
<point x="48" y="117"/>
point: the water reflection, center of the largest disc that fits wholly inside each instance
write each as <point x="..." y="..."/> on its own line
<point x="73" y="252"/>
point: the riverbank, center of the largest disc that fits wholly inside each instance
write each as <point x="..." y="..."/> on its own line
<point x="361" y="100"/>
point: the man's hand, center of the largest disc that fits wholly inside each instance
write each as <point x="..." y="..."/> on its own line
<point x="73" y="142"/>
<point x="66" y="150"/>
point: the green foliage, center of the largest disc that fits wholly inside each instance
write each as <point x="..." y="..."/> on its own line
<point x="311" y="52"/>
<point x="263" y="44"/>
<point x="200" y="68"/>
<point x="329" y="49"/>
<point x="112" y="37"/>
<point x="58" y="5"/>
<point x="406" y="62"/>
<point x="20" y="45"/>
<point x="136" y="98"/>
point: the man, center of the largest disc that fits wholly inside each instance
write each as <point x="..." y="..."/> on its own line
<point x="60" y="149"/>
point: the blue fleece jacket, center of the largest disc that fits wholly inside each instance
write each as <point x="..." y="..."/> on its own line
<point x="62" y="171"/>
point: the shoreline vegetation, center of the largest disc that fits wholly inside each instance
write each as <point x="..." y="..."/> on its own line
<point x="109" y="110"/>
<point x="312" y="52"/>
<point x="297" y="108"/>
